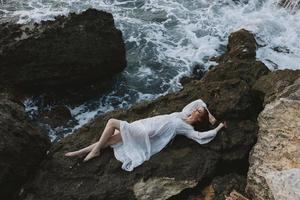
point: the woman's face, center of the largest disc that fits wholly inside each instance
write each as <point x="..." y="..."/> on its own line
<point x="198" y="113"/>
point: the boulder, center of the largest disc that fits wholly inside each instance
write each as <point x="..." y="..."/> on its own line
<point x="270" y="86"/>
<point x="241" y="45"/>
<point x="22" y="147"/>
<point x="275" y="160"/>
<point x="75" y="56"/>
<point x="56" y="116"/>
<point x="181" y="165"/>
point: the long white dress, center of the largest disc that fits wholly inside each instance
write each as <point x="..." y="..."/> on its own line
<point x="145" y="137"/>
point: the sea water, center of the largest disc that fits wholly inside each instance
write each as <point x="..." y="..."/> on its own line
<point x="165" y="38"/>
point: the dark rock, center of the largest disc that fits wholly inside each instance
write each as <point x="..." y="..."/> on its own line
<point x="199" y="71"/>
<point x="224" y="185"/>
<point x="197" y="74"/>
<point x="240" y="136"/>
<point x="71" y="56"/>
<point x="227" y="91"/>
<point x="246" y="70"/>
<point x="56" y="116"/>
<point x="22" y="147"/>
<point x="218" y="188"/>
<point x="229" y="99"/>
<point x="241" y="45"/>
<point x="269" y="86"/>
<point x="186" y="79"/>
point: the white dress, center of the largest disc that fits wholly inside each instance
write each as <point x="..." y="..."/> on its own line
<point x="145" y="137"/>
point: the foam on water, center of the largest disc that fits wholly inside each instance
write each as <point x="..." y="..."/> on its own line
<point x="165" y="38"/>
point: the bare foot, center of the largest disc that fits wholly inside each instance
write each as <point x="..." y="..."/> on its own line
<point x="71" y="154"/>
<point x="91" y="155"/>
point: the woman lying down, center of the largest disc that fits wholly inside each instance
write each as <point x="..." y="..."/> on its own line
<point x="135" y="142"/>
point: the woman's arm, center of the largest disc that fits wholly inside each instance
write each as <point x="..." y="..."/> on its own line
<point x="211" y="118"/>
<point x="204" y="137"/>
<point x="195" y="104"/>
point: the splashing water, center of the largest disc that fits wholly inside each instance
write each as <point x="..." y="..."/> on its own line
<point x="165" y="38"/>
<point x="293" y="5"/>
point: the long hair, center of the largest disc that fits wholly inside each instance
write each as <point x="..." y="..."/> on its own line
<point x="203" y="123"/>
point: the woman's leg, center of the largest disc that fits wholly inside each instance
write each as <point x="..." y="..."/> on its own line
<point x="109" y="130"/>
<point x="81" y="152"/>
<point x="115" y="138"/>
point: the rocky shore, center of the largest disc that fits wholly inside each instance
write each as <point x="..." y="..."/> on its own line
<point x="184" y="169"/>
<point x="257" y="155"/>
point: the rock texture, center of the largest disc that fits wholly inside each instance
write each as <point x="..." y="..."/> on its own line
<point x="22" y="147"/>
<point x="241" y="45"/>
<point x="224" y="185"/>
<point x="227" y="91"/>
<point x="284" y="184"/>
<point x="57" y="116"/>
<point x="270" y="87"/>
<point x="275" y="159"/>
<point x="160" y="188"/>
<point x="72" y="56"/>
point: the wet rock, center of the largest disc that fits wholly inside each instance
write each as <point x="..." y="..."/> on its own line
<point x="198" y="71"/>
<point x="56" y="116"/>
<point x="227" y="91"/>
<point x="275" y="160"/>
<point x="241" y="45"/>
<point x="75" y="56"/>
<point x="22" y="147"/>
<point x="197" y="74"/>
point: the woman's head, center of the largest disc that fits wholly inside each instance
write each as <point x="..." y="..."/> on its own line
<point x="200" y="119"/>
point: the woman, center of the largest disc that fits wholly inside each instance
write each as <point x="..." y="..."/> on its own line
<point x="135" y="142"/>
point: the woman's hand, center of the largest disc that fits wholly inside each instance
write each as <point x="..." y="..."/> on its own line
<point x="224" y="124"/>
<point x="221" y="125"/>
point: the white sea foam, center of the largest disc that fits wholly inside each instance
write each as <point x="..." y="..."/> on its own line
<point x="30" y="107"/>
<point x="83" y="114"/>
<point x="165" y="38"/>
